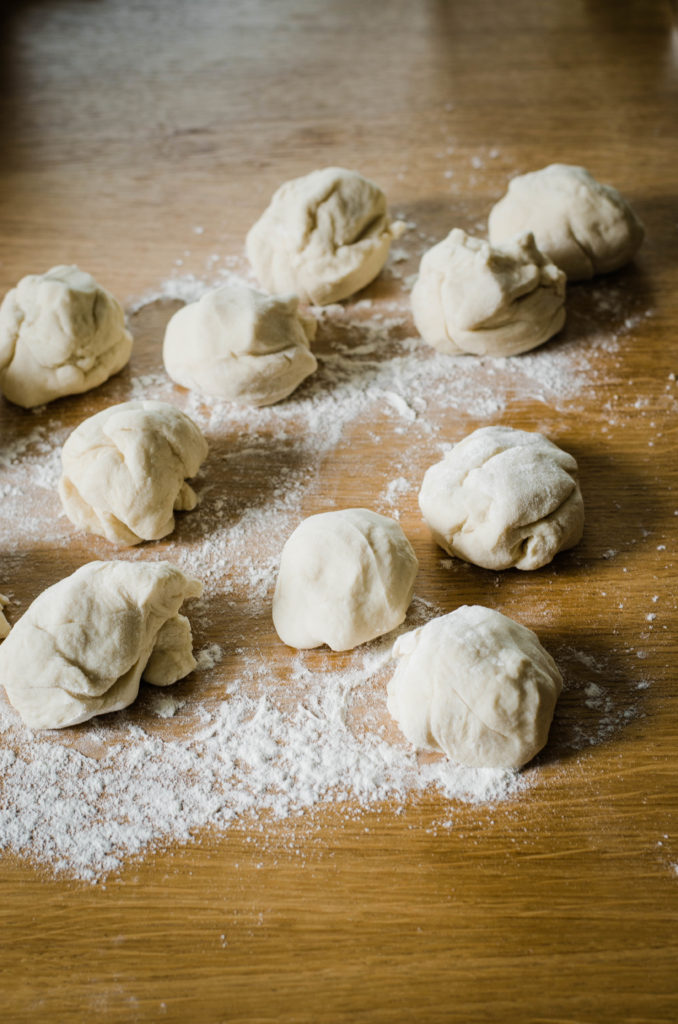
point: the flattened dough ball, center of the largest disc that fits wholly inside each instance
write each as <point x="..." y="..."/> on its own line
<point x="475" y="685"/>
<point x="240" y="344"/>
<point x="323" y="236"/>
<point x="83" y="645"/>
<point x="472" y="297"/>
<point x="60" y="334"/>
<point x="124" y="471"/>
<point x="502" y="498"/>
<point x="586" y="228"/>
<point x="345" y="578"/>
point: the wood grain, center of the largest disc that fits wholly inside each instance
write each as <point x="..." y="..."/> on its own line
<point x="125" y="126"/>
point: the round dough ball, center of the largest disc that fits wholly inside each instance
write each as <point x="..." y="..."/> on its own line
<point x="323" y="236"/>
<point x="124" y="469"/>
<point x="471" y="297"/>
<point x="239" y="344"/>
<point x="586" y="228"/>
<point x="345" y="578"/>
<point x="502" y="498"/>
<point x="83" y="645"/>
<point x="60" y="334"/>
<point x="475" y="685"/>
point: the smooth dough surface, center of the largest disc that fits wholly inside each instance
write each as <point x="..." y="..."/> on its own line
<point x="324" y="236"/>
<point x="124" y="471"/>
<point x="475" y="685"/>
<point x="476" y="298"/>
<point x="586" y="228"/>
<point x="83" y="645"/>
<point x="60" y="334"/>
<point x="503" y="498"/>
<point x="240" y="344"/>
<point x="345" y="577"/>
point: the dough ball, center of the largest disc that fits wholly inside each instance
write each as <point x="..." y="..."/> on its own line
<point x="60" y="334"/>
<point x="586" y="228"/>
<point x="4" y="624"/>
<point x="475" y="685"/>
<point x="471" y="297"/>
<point x="345" y="577"/>
<point x="323" y="236"/>
<point x="239" y="344"/>
<point x="502" y="498"/>
<point x="83" y="645"/>
<point x="123" y="471"/>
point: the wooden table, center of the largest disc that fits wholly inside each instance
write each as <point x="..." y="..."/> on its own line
<point x="124" y="127"/>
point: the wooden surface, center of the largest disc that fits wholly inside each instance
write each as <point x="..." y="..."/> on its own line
<point x="126" y="125"/>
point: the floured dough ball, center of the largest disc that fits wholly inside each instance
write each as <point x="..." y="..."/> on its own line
<point x="4" y="624"/>
<point x="83" y="645"/>
<point x="60" y="334"/>
<point x="471" y="297"/>
<point x="345" y="577"/>
<point x="475" y="685"/>
<point x="502" y="498"/>
<point x="323" y="236"/>
<point x="240" y="344"/>
<point x="586" y="228"/>
<point x="124" y="471"/>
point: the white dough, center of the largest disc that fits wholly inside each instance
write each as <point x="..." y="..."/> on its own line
<point x="345" y="577"/>
<point x="472" y="297"/>
<point x="83" y="645"/>
<point x="124" y="470"/>
<point x="60" y="333"/>
<point x="586" y="228"/>
<point x="475" y="685"/>
<point x="240" y="344"/>
<point x="323" y="236"/>
<point x="503" y="498"/>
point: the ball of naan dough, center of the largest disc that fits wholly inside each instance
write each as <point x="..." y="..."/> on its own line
<point x="475" y="685"/>
<point x="586" y="228"/>
<point x="345" y="577"/>
<point x="83" y="645"/>
<point x="240" y="344"/>
<point x="60" y="334"/>
<point x="472" y="297"/>
<point x="124" y="471"/>
<point x="502" y="498"/>
<point x="323" y="236"/>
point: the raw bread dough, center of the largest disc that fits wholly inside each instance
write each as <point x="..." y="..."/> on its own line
<point x="241" y="345"/>
<point x="586" y="228"/>
<point x="83" y="645"/>
<point x="60" y="333"/>
<point x="503" y="498"/>
<point x="124" y="470"/>
<point x="4" y="624"/>
<point x="471" y="297"/>
<point x="475" y="685"/>
<point x="323" y="236"/>
<point x="345" y="577"/>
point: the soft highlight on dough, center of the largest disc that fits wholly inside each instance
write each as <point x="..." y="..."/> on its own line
<point x="60" y="334"/>
<point x="239" y="344"/>
<point x="504" y="498"/>
<point x="323" y="236"/>
<point x="475" y="298"/>
<point x="84" y="644"/>
<point x="586" y="228"/>
<point x="476" y="686"/>
<point x="124" y="471"/>
<point x="345" y="577"/>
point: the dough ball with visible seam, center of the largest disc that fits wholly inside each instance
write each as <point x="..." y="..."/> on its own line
<point x="503" y="498"/>
<point x="60" y="334"/>
<point x="124" y="471"/>
<point x="323" y="236"/>
<point x="345" y="577"/>
<point x="475" y="685"/>
<point x="84" y="644"/>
